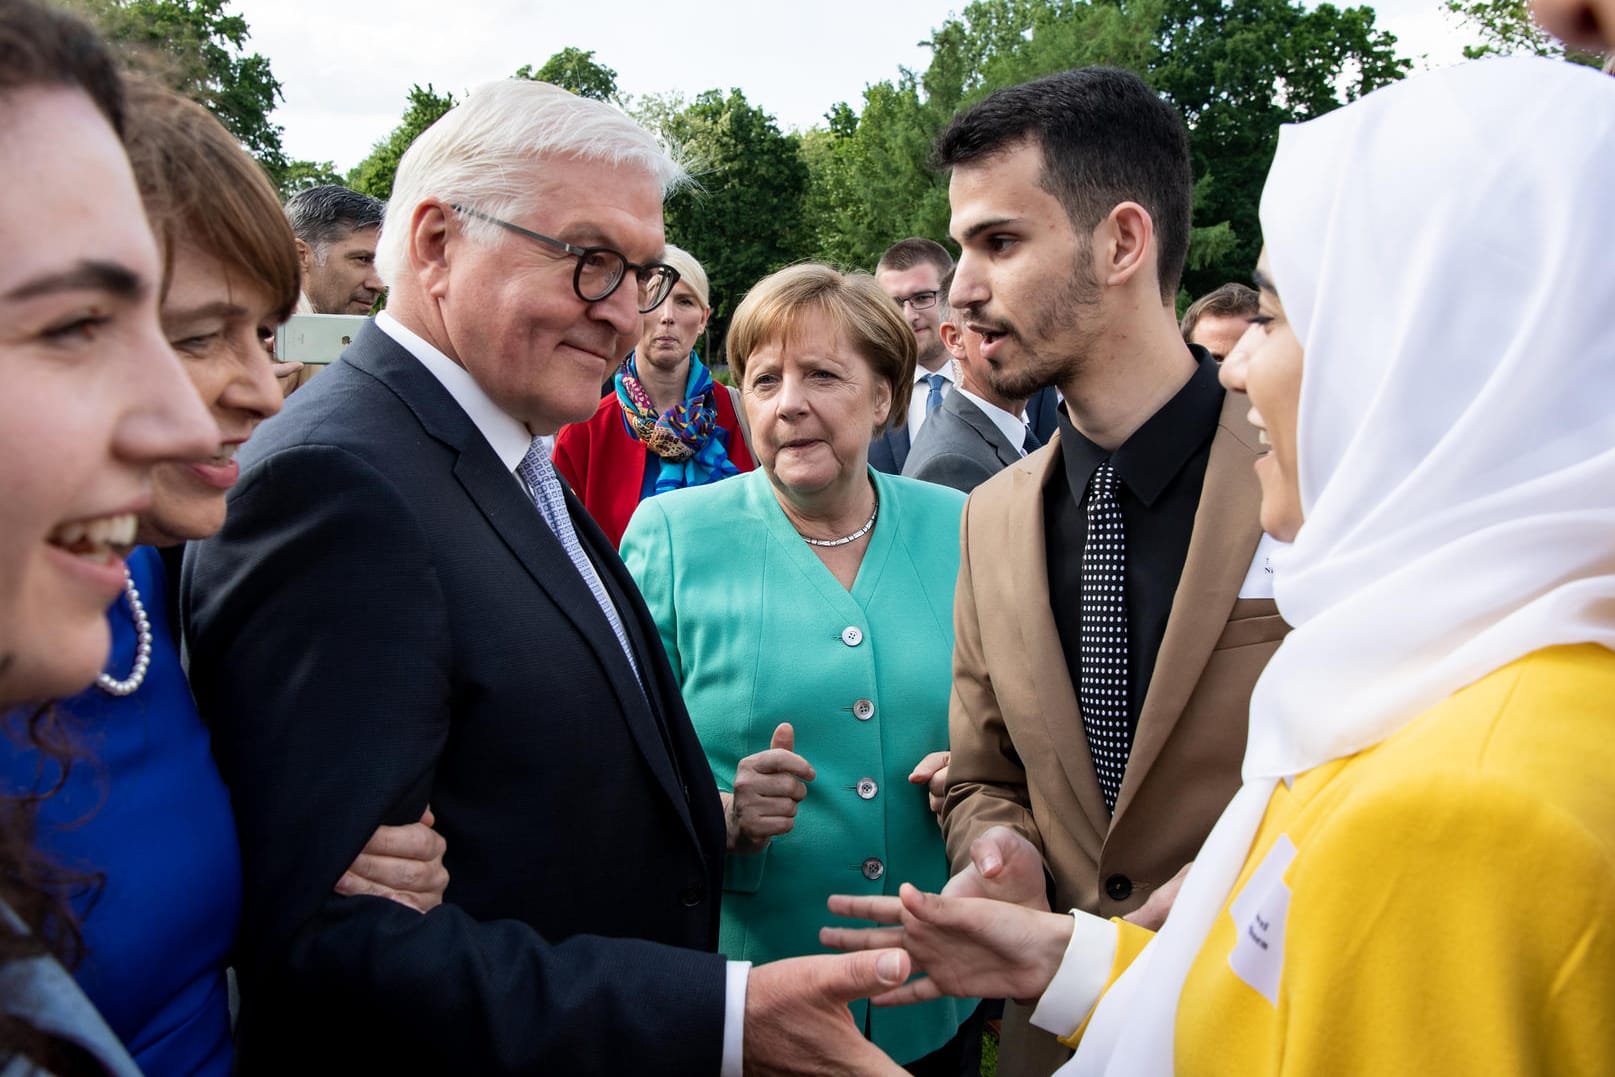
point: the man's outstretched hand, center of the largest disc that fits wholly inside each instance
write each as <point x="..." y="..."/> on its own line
<point x="797" y="1021"/>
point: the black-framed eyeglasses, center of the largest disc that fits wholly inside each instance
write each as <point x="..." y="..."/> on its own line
<point x="600" y="269"/>
<point x="919" y="300"/>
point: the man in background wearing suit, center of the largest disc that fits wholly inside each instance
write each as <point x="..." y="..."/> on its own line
<point x="911" y="272"/>
<point x="977" y="432"/>
<point x="1113" y="610"/>
<point x="407" y="607"/>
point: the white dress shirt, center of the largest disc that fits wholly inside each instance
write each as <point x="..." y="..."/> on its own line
<point x="916" y="401"/>
<point x="509" y="438"/>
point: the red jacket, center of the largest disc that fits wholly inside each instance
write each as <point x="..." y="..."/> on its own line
<point x="606" y="464"/>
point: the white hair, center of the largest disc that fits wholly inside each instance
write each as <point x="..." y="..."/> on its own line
<point x="481" y="153"/>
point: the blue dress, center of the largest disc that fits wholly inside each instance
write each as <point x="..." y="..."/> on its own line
<point x="144" y="807"/>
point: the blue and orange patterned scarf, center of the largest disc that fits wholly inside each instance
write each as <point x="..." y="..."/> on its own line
<point x="685" y="436"/>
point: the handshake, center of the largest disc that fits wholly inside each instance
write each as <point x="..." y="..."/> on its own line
<point x="988" y="934"/>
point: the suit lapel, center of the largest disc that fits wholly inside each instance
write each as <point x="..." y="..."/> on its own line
<point x="979" y="421"/>
<point x="1226" y="531"/>
<point x="1023" y="571"/>
<point x="504" y="504"/>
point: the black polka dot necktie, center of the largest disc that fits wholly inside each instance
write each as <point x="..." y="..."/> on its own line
<point x="1103" y="693"/>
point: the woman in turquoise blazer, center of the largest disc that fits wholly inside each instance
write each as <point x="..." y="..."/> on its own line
<point x="807" y="609"/>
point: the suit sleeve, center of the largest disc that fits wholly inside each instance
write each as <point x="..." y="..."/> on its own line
<point x="986" y="779"/>
<point x="322" y="658"/>
<point x="949" y="469"/>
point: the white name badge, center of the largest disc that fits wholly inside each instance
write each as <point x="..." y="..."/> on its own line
<point x="1259" y="578"/>
<point x="1259" y="913"/>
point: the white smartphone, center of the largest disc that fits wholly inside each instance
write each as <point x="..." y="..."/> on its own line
<point x="316" y="339"/>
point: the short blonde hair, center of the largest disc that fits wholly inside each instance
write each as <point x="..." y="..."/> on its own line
<point x="690" y="272"/>
<point x="780" y="307"/>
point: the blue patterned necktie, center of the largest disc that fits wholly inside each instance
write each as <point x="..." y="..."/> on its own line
<point x="544" y="487"/>
<point x="1103" y="692"/>
<point x="1030" y="442"/>
<point x="933" y="399"/>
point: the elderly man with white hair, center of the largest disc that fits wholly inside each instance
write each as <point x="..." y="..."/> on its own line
<point x="407" y="608"/>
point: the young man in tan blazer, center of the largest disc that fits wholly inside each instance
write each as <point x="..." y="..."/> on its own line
<point x="1070" y="200"/>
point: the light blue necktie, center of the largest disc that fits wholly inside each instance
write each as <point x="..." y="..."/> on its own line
<point x="544" y="487"/>
<point x="933" y="399"/>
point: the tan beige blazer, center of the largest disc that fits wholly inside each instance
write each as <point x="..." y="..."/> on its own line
<point x="1019" y="753"/>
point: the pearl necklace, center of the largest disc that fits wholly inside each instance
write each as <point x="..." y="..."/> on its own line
<point x="854" y="537"/>
<point x="111" y="685"/>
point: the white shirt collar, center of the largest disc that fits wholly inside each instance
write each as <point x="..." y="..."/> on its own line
<point x="507" y="436"/>
<point x="1012" y="427"/>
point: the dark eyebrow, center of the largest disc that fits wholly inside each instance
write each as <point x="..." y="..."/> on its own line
<point x="977" y="229"/>
<point x="221" y="308"/>
<point x="1263" y="284"/>
<point x="110" y="277"/>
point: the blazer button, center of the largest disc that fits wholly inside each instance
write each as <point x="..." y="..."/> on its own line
<point x="863" y="710"/>
<point x="1119" y="887"/>
<point x="691" y="896"/>
<point x="867" y="788"/>
<point x="852" y="635"/>
<point x="873" y="868"/>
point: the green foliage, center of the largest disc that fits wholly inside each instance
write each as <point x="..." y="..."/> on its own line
<point x="1506" y="27"/>
<point x="575" y="70"/>
<point x="301" y="175"/>
<point x="845" y="190"/>
<point x="1236" y="71"/>
<point x="743" y="220"/>
<point x="198" y="49"/>
<point x="374" y="175"/>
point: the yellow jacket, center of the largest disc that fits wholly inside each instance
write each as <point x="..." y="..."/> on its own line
<point x="1451" y="899"/>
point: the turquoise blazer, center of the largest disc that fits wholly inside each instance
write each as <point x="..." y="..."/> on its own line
<point x="759" y="632"/>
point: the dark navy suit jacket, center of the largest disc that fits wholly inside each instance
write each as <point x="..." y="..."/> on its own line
<point x="386" y="622"/>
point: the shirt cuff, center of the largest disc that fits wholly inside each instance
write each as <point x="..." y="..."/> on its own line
<point x="1081" y="977"/>
<point x="734" y="1016"/>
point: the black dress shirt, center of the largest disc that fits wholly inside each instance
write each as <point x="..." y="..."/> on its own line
<point x="1161" y="469"/>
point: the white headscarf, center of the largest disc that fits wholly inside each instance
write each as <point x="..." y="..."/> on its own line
<point x="1445" y="250"/>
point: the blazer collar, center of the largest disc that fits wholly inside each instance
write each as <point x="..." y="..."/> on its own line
<point x="1226" y="532"/>
<point x="969" y="412"/>
<point x="503" y="502"/>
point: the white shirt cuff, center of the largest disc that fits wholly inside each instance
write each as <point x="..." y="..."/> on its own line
<point x="734" y="1016"/>
<point x="1081" y="977"/>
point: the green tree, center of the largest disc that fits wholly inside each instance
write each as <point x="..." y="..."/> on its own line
<point x="374" y="175"/>
<point x="1506" y="27"/>
<point x="301" y="175"/>
<point x="575" y="70"/>
<point x="871" y="180"/>
<point x="1237" y="72"/>
<point x="200" y="49"/>
<point x="743" y="216"/>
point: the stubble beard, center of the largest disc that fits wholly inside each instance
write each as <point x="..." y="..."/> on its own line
<point x="1075" y="304"/>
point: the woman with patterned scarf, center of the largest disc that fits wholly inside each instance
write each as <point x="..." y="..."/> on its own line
<point x="668" y="425"/>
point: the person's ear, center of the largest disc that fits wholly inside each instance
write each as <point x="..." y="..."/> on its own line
<point x="305" y="257"/>
<point x="1124" y="244"/>
<point x="952" y="339"/>
<point x="883" y="402"/>
<point x="432" y="242"/>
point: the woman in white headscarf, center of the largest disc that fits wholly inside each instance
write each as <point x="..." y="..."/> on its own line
<point x="1418" y="875"/>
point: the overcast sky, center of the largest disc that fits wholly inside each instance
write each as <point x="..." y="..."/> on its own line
<point x="347" y="69"/>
